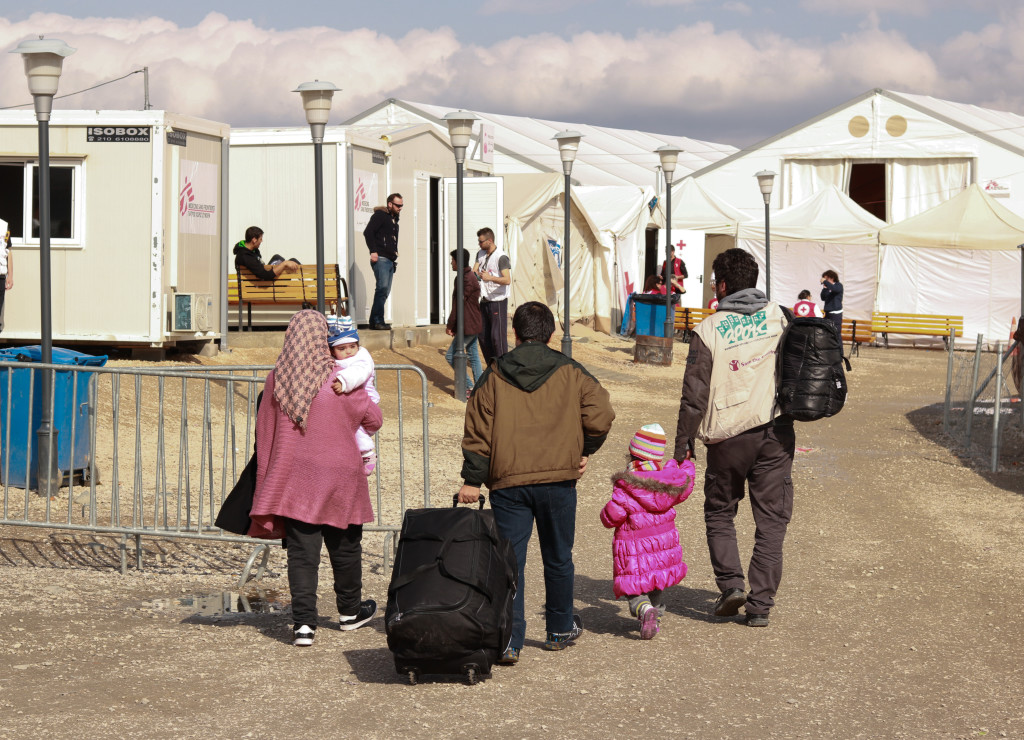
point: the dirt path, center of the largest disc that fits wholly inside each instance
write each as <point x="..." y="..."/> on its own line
<point x="897" y="616"/>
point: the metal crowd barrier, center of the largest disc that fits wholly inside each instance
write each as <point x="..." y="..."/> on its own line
<point x="155" y="451"/>
<point x="983" y="399"/>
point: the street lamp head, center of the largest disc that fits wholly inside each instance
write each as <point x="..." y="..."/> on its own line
<point x="765" y="180"/>
<point x="460" y="129"/>
<point x="669" y="157"/>
<point x="568" y="145"/>
<point x="43" y="61"/>
<point x="316" y="100"/>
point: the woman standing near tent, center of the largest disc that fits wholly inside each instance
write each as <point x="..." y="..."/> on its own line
<point x="310" y="485"/>
<point x="832" y="297"/>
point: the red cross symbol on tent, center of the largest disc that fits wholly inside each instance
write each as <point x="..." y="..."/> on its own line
<point x="680" y="244"/>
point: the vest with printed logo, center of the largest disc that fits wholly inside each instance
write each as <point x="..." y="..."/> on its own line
<point x="742" y="389"/>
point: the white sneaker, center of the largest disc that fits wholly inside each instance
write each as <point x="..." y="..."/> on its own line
<point x="304" y="636"/>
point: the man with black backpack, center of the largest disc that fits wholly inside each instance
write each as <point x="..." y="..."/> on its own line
<point x="729" y="403"/>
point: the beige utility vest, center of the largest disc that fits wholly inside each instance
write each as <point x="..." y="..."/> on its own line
<point x="742" y="393"/>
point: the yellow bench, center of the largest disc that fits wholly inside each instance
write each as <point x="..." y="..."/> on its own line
<point x="931" y="325"/>
<point x="686" y="319"/>
<point x="296" y="288"/>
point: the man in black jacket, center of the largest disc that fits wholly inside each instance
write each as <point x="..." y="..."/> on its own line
<point x="247" y="255"/>
<point x="381" y="234"/>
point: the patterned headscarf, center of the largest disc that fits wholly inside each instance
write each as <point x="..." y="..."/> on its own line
<point x="303" y="365"/>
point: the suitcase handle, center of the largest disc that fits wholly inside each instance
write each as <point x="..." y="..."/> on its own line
<point x="455" y="501"/>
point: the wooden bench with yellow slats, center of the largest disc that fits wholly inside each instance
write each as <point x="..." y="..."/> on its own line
<point x="295" y="288"/>
<point x="931" y="325"/>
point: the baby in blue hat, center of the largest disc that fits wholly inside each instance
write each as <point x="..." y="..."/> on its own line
<point x="355" y="370"/>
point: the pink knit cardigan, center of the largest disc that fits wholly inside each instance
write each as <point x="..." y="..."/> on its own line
<point x="645" y="550"/>
<point x="316" y="475"/>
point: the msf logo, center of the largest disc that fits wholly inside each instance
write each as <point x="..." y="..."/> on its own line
<point x="186" y="196"/>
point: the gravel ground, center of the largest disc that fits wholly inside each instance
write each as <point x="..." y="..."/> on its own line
<point x="896" y="617"/>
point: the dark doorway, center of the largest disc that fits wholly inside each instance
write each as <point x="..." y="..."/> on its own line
<point x="652" y="259"/>
<point x="435" y="251"/>
<point x="867" y="187"/>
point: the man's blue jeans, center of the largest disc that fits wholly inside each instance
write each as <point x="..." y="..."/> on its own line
<point x="383" y="271"/>
<point x="553" y="507"/>
<point x="473" y="353"/>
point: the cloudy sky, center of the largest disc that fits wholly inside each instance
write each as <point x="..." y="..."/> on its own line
<point x="729" y="71"/>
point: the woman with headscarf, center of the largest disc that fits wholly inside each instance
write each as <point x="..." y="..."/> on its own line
<point x="310" y="485"/>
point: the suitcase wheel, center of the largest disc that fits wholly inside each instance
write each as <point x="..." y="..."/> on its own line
<point x="471" y="675"/>
<point x="414" y="676"/>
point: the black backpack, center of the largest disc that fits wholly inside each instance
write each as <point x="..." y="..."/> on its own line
<point x="809" y="369"/>
<point x="450" y="599"/>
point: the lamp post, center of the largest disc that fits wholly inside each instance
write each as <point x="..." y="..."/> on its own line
<point x="460" y="128"/>
<point x="568" y="145"/>
<point x="316" y="100"/>
<point x="43" y="60"/>
<point x="669" y="157"/>
<point x="765" y="180"/>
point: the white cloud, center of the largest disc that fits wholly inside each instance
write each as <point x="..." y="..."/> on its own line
<point x="655" y="80"/>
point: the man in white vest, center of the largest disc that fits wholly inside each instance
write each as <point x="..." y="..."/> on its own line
<point x="494" y="271"/>
<point x="728" y="402"/>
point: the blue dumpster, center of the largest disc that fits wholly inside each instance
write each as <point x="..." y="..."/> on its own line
<point x="650" y="314"/>
<point x="71" y="406"/>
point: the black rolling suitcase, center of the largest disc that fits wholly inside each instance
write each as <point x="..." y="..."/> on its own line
<point x="450" y="599"/>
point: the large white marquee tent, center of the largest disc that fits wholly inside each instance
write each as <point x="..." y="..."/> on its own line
<point x="522" y="145"/>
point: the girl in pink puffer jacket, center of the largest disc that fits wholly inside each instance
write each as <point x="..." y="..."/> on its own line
<point x="645" y="550"/>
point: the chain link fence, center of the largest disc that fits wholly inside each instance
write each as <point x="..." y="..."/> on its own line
<point x="982" y="411"/>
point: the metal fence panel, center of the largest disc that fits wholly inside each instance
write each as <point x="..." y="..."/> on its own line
<point x="983" y="412"/>
<point x="159" y="449"/>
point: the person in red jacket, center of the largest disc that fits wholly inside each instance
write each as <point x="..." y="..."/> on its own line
<point x="472" y="319"/>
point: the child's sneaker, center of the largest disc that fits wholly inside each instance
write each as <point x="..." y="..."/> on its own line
<point x="370" y="463"/>
<point x="649" y="622"/>
<point x="509" y="657"/>
<point x="304" y="636"/>
<point x="562" y="640"/>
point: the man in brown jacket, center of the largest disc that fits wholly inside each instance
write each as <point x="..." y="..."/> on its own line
<point x="532" y="422"/>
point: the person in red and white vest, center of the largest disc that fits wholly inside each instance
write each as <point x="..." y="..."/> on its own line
<point x="679" y="273"/>
<point x="805" y="307"/>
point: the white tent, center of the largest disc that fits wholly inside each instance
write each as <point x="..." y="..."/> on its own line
<point x="523" y="145"/>
<point x="959" y="258"/>
<point x="703" y="225"/>
<point x="828" y="231"/>
<point x="622" y="214"/>
<point x="694" y="208"/>
<point x="898" y="154"/>
<point x="534" y="231"/>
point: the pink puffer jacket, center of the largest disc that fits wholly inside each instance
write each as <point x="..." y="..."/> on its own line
<point x="645" y="549"/>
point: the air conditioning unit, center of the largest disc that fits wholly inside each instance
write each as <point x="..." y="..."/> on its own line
<point x="191" y="311"/>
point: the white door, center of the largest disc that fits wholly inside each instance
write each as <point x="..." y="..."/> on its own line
<point x="482" y="206"/>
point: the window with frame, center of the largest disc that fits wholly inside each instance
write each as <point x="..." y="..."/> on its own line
<point x="19" y="201"/>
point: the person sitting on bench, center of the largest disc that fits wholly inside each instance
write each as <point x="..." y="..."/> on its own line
<point x="247" y="255"/>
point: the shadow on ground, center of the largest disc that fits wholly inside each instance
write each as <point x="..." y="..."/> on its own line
<point x="928" y="423"/>
<point x="98" y="552"/>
